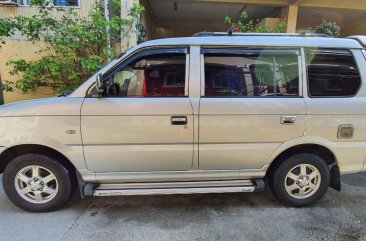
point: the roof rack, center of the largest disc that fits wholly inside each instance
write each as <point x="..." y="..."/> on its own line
<point x="230" y="33"/>
<point x="359" y="38"/>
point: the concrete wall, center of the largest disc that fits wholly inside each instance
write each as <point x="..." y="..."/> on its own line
<point x="357" y="26"/>
<point x="185" y="28"/>
<point x="148" y="20"/>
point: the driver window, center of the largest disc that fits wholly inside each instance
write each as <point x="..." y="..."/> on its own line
<point x="160" y="75"/>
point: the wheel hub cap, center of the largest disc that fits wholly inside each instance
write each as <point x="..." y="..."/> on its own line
<point x="302" y="181"/>
<point x="36" y="184"/>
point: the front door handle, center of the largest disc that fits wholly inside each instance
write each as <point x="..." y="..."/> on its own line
<point x="179" y="120"/>
<point x="288" y="119"/>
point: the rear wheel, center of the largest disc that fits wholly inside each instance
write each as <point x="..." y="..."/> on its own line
<point x="37" y="183"/>
<point x="300" y="180"/>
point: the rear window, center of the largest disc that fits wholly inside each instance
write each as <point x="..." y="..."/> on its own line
<point x="332" y="73"/>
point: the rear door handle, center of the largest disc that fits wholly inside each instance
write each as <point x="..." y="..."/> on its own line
<point x="179" y="120"/>
<point x="288" y="119"/>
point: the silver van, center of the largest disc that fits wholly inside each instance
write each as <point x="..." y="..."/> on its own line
<point x="204" y="114"/>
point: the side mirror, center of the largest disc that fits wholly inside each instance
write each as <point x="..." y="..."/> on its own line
<point x="99" y="84"/>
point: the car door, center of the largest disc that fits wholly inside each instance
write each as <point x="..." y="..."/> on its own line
<point x="143" y="122"/>
<point x="251" y="103"/>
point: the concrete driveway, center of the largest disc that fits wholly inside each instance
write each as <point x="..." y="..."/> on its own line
<point x="242" y="216"/>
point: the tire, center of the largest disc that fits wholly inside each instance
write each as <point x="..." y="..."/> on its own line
<point x="300" y="180"/>
<point x="37" y="183"/>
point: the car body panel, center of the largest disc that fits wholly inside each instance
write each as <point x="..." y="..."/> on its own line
<point x="241" y="133"/>
<point x="136" y="134"/>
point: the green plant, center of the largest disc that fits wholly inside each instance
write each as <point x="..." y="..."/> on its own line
<point x="329" y="28"/>
<point x="75" y="47"/>
<point x="245" y="24"/>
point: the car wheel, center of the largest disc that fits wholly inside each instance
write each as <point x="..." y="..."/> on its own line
<point x="300" y="180"/>
<point x="37" y="183"/>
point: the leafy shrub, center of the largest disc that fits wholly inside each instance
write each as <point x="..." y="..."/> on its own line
<point x="329" y="28"/>
<point x="76" y="47"/>
<point x="245" y="24"/>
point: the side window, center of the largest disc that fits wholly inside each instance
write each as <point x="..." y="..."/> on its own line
<point x="157" y="75"/>
<point x="332" y="73"/>
<point x="252" y="74"/>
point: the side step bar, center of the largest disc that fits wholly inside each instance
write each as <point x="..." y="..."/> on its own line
<point x="177" y="188"/>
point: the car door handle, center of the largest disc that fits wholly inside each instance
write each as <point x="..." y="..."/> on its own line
<point x="179" y="120"/>
<point x="288" y="119"/>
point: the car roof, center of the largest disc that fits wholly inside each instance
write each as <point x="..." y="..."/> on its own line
<point x="253" y="40"/>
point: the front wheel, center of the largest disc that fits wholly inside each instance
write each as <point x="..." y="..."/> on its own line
<point x="37" y="183"/>
<point x="300" y="180"/>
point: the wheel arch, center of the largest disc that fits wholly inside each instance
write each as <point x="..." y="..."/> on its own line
<point x="321" y="150"/>
<point x="10" y="153"/>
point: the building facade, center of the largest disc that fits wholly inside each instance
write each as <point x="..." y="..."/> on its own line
<point x="174" y="18"/>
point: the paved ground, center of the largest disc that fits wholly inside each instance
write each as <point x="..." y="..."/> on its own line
<point x="247" y="216"/>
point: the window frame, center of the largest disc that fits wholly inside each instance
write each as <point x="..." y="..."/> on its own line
<point x="331" y="50"/>
<point x="140" y="54"/>
<point x="53" y="6"/>
<point x="252" y="50"/>
<point x="175" y="80"/>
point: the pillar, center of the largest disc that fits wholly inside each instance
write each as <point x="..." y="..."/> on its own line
<point x="128" y="38"/>
<point x="290" y="14"/>
<point x="1" y="93"/>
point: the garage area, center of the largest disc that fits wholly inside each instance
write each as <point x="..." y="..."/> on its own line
<point x="167" y="18"/>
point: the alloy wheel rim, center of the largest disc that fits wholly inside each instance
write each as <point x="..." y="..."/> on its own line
<point x="36" y="184"/>
<point x="302" y="181"/>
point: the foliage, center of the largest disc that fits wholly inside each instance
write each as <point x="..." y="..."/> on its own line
<point x="329" y="28"/>
<point x="74" y="47"/>
<point x="245" y="24"/>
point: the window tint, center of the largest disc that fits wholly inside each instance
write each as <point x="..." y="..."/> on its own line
<point x="74" y="3"/>
<point x="251" y="74"/>
<point x="160" y="75"/>
<point x="66" y="3"/>
<point x="332" y="73"/>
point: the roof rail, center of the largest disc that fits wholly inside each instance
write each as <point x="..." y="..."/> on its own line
<point x="230" y="33"/>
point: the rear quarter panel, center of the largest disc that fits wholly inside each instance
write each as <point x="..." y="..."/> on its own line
<point x="325" y="115"/>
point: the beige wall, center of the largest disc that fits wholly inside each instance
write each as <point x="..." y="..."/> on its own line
<point x="17" y="48"/>
<point x="11" y="11"/>
<point x="14" y="50"/>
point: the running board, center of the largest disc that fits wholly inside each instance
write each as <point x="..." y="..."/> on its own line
<point x="177" y="188"/>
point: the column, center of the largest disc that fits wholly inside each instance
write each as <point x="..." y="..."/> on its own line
<point x="1" y="93"/>
<point x="290" y="13"/>
<point x="129" y="38"/>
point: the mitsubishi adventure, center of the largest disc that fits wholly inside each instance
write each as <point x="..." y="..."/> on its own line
<point x="212" y="113"/>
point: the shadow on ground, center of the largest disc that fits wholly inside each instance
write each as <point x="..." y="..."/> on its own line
<point x="241" y="216"/>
